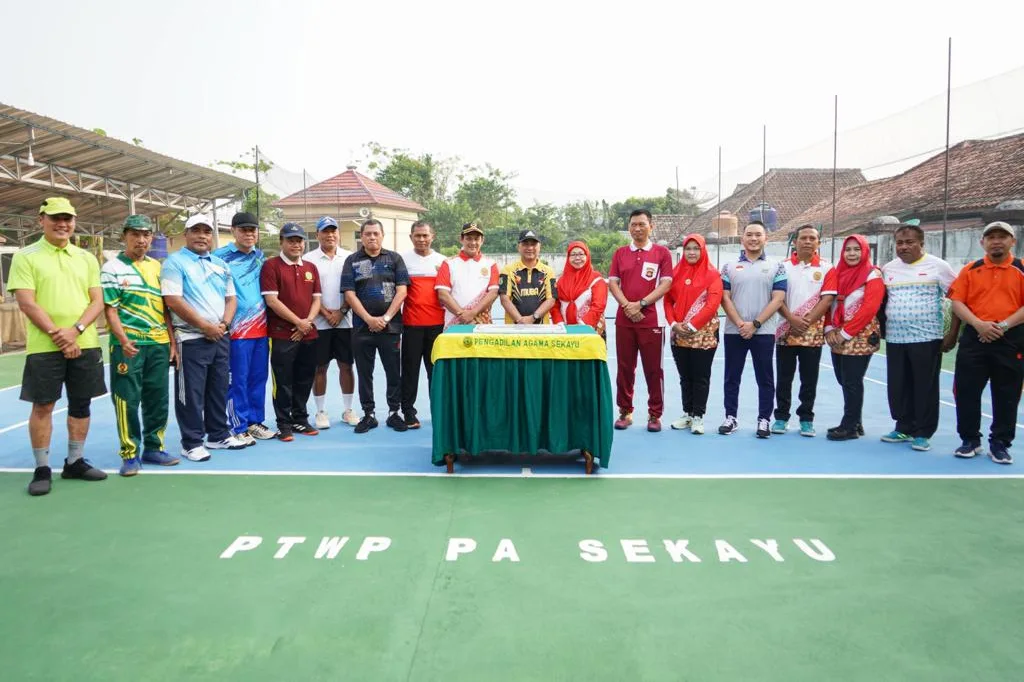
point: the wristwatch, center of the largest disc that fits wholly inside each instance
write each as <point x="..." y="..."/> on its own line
<point x="534" y="316"/>
<point x="757" y="325"/>
<point x="386" y="318"/>
<point x="1004" y="325"/>
<point x="80" y="327"/>
<point x="644" y="303"/>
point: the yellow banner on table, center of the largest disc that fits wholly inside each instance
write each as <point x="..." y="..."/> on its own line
<point x="519" y="346"/>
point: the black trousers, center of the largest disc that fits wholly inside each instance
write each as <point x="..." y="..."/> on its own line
<point x="294" y="366"/>
<point x="850" y="371"/>
<point x="998" y="364"/>
<point x="417" y="344"/>
<point x="786" y="360"/>
<point x="912" y="371"/>
<point x="365" y="347"/>
<point x="694" y="367"/>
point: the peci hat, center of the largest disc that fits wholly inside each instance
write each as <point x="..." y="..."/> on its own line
<point x="244" y="220"/>
<point x="528" y="235"/>
<point x="138" y="222"/>
<point x="326" y="222"/>
<point x="57" y="206"/>
<point x="999" y="225"/>
<point x="290" y="230"/>
<point x="198" y="219"/>
<point x="471" y="228"/>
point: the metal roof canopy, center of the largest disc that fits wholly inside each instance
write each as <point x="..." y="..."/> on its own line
<point x="106" y="179"/>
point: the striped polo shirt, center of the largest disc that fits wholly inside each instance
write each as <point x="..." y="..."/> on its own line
<point x="134" y="290"/>
<point x="750" y="285"/>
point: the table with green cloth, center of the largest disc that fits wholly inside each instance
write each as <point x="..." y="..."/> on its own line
<point x="521" y="393"/>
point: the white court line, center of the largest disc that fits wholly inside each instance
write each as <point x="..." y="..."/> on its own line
<point x="680" y="477"/>
<point x="941" y="401"/>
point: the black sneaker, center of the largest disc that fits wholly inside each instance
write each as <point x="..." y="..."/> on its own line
<point x="763" y="428"/>
<point x="366" y="423"/>
<point x="411" y="422"/>
<point x="396" y="422"/>
<point x="305" y="429"/>
<point x="968" y="448"/>
<point x="999" y="453"/>
<point x="860" y="429"/>
<point x="81" y="468"/>
<point x="40" y="484"/>
<point x="839" y="433"/>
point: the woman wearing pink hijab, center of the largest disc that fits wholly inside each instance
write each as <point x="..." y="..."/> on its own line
<point x="852" y="329"/>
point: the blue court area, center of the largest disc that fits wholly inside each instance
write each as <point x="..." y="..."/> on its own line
<point x="635" y="452"/>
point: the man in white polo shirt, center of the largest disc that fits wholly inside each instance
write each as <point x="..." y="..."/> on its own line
<point x="800" y="335"/>
<point x="333" y="324"/>
<point x="754" y="289"/>
<point x="916" y="284"/>
<point x="467" y="284"/>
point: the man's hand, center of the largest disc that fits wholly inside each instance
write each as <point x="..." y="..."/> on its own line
<point x="129" y="348"/>
<point x="799" y="325"/>
<point x="304" y="326"/>
<point x="213" y="332"/>
<point x="948" y="343"/>
<point x="72" y="351"/>
<point x="297" y="335"/>
<point x="376" y="324"/>
<point x="988" y="331"/>
<point x="333" y="317"/>
<point x="525" y="319"/>
<point x="466" y="316"/>
<point x="64" y="337"/>
<point x="747" y="330"/>
<point x="174" y="353"/>
<point x="632" y="308"/>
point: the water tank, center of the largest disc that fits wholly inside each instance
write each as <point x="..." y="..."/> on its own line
<point x="158" y="248"/>
<point x="725" y="225"/>
<point x="767" y="215"/>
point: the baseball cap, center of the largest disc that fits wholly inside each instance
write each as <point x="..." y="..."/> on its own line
<point x="326" y="222"/>
<point x="198" y="219"/>
<point x="244" y="220"/>
<point x="138" y="222"/>
<point x="292" y="230"/>
<point x="999" y="225"/>
<point x="56" y="206"/>
<point x="470" y="228"/>
<point x="527" y="235"/>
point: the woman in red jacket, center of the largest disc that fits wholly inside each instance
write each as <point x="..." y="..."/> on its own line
<point x="852" y="330"/>
<point x="691" y="307"/>
<point x="582" y="291"/>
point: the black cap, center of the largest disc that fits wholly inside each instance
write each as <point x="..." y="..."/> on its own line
<point x="528" y="235"/>
<point x="244" y="220"/>
<point x="470" y="228"/>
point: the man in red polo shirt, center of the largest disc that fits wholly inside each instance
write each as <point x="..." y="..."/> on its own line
<point x="640" y="276"/>
<point x="291" y="288"/>
<point x="422" y="316"/>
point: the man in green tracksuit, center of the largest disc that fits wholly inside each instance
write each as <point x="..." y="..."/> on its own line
<point x="140" y="348"/>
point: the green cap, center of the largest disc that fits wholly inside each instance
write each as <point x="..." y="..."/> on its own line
<point x="138" y="222"/>
<point x="56" y="206"/>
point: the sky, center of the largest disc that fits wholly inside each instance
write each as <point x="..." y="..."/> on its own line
<point x="578" y="99"/>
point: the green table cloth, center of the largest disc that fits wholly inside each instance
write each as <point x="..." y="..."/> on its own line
<point x="521" y="394"/>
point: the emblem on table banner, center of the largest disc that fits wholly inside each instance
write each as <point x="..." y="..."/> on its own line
<point x="122" y="368"/>
<point x="467" y="342"/>
<point x="817" y="276"/>
<point x="309" y="276"/>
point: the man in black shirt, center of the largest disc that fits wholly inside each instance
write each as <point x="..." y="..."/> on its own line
<point x="374" y="282"/>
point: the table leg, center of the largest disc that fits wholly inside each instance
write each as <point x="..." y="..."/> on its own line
<point x="449" y="461"/>
<point x="588" y="462"/>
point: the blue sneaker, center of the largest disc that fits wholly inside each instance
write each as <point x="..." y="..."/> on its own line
<point x="159" y="457"/>
<point x="896" y="437"/>
<point x="780" y="426"/>
<point x="921" y="445"/>
<point x="130" y="467"/>
<point x="999" y="454"/>
<point x="807" y="429"/>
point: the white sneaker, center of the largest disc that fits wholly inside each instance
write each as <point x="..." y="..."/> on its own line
<point x="729" y="426"/>
<point x="229" y="443"/>
<point x="261" y="432"/>
<point x="350" y="417"/>
<point x="682" y="423"/>
<point x="196" y="454"/>
<point x="322" y="421"/>
<point x="697" y="426"/>
<point x="246" y="438"/>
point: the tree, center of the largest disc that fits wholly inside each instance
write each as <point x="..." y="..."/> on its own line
<point x="256" y="200"/>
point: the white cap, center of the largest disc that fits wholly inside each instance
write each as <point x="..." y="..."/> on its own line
<point x="999" y="225"/>
<point x="198" y="219"/>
